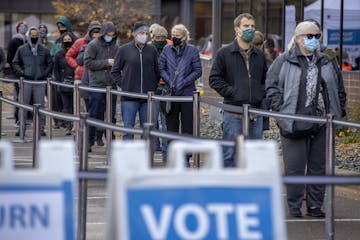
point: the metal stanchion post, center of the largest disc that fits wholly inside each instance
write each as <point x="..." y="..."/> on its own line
<point x="196" y="124"/>
<point x="330" y="148"/>
<point x="150" y="119"/>
<point x="108" y="120"/>
<point x="21" y="110"/>
<point x="49" y="102"/>
<point x="245" y="120"/>
<point x="36" y="136"/>
<point x="83" y="158"/>
<point x="76" y="103"/>
<point x="147" y="136"/>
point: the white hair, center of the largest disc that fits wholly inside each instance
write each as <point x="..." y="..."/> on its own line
<point x="183" y="29"/>
<point x="300" y="30"/>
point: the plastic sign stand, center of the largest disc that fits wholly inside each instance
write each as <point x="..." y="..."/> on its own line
<point x="212" y="202"/>
<point x="38" y="203"/>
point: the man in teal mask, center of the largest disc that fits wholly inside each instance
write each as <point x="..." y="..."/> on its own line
<point x="238" y="74"/>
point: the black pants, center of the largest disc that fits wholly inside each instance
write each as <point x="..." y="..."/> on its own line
<point x="180" y="118"/>
<point x="300" y="154"/>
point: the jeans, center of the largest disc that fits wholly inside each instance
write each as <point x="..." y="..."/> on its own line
<point x="232" y="128"/>
<point x="157" y="114"/>
<point x="97" y="108"/>
<point x="129" y="109"/>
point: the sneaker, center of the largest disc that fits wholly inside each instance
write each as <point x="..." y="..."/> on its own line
<point x="295" y="212"/>
<point x="68" y="132"/>
<point x="17" y="124"/>
<point x="315" y="212"/>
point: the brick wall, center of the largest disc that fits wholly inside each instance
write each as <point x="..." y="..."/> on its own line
<point x="351" y="83"/>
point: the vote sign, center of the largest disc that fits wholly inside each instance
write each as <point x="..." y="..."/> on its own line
<point x="228" y="212"/>
<point x="36" y="211"/>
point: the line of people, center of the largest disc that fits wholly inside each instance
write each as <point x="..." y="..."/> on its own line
<point x="98" y="60"/>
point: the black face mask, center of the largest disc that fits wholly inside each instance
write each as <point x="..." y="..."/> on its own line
<point x="159" y="44"/>
<point x="34" y="40"/>
<point x="67" y="44"/>
<point x="62" y="31"/>
<point x="176" y="41"/>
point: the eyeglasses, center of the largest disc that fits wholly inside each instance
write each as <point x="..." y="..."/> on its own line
<point x="310" y="36"/>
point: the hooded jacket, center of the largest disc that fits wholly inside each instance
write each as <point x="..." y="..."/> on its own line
<point x="72" y="54"/>
<point x="96" y="58"/>
<point x="57" y="45"/>
<point x="283" y="83"/>
<point x="33" y="63"/>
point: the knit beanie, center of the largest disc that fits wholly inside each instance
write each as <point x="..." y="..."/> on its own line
<point x="138" y="27"/>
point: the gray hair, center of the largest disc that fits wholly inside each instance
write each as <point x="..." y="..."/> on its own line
<point x="300" y="30"/>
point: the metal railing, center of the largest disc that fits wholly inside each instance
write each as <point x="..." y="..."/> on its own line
<point x="147" y="132"/>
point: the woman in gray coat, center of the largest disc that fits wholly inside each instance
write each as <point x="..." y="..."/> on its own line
<point x="305" y="81"/>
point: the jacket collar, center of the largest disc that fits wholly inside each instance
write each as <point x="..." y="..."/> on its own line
<point x="295" y="54"/>
<point x="235" y="48"/>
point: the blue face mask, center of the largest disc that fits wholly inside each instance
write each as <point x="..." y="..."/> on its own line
<point x="248" y="35"/>
<point x="311" y="44"/>
<point x="23" y="30"/>
<point x="107" y="38"/>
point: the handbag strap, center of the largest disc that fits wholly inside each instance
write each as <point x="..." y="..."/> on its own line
<point x="177" y="67"/>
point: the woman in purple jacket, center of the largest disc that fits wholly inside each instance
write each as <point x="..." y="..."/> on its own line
<point x="180" y="66"/>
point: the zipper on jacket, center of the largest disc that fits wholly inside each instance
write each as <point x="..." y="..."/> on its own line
<point x="141" y="68"/>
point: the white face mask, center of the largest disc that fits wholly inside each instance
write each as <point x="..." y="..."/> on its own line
<point x="141" y="38"/>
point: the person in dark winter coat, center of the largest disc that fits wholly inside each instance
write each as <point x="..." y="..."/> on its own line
<point x="180" y="67"/>
<point x="305" y="81"/>
<point x="2" y="59"/>
<point x="99" y="58"/>
<point x="136" y="70"/>
<point x="238" y="74"/>
<point x="32" y="61"/>
<point x="65" y="74"/>
<point x="18" y="40"/>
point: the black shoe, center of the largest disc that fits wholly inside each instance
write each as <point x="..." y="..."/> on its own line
<point x="17" y="133"/>
<point x="89" y="150"/>
<point x="315" y="212"/>
<point x="42" y="133"/>
<point x="99" y="141"/>
<point x="295" y="212"/>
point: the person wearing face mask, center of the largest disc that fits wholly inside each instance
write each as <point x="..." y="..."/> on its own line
<point x="159" y="40"/>
<point x="238" y="74"/>
<point x="18" y="39"/>
<point x="180" y="67"/>
<point x="305" y="81"/>
<point x="64" y="25"/>
<point x="32" y="61"/>
<point x="98" y="59"/>
<point x="136" y="70"/>
<point x="43" y="31"/>
<point x="64" y="73"/>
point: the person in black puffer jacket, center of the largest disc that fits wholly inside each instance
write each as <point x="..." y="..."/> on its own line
<point x="64" y="73"/>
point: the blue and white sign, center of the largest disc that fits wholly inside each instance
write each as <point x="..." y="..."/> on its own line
<point x="209" y="203"/>
<point x="39" y="203"/>
<point x="200" y="213"/>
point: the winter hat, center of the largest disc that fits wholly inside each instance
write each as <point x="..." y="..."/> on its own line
<point x="94" y="25"/>
<point x="18" y="25"/>
<point x="138" y="27"/>
<point x="41" y="25"/>
<point x="160" y="31"/>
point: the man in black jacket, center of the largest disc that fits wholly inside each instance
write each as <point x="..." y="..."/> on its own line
<point x="136" y="69"/>
<point x="238" y="75"/>
<point x="32" y="61"/>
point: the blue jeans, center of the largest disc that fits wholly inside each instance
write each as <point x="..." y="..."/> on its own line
<point x="97" y="108"/>
<point x="129" y="109"/>
<point x="231" y="128"/>
<point x="157" y="114"/>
